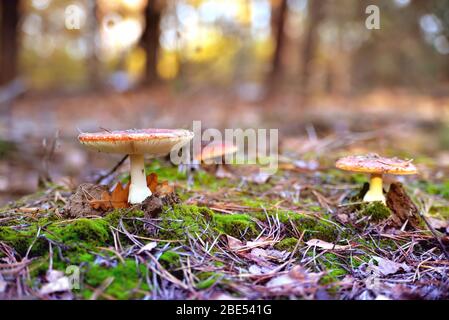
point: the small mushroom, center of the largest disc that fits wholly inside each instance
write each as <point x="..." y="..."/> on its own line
<point x="212" y="158"/>
<point x="137" y="143"/>
<point x="215" y="152"/>
<point x="376" y="166"/>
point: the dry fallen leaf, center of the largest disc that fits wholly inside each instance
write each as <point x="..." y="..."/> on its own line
<point x="438" y="223"/>
<point x="164" y="189"/>
<point x="260" y="242"/>
<point x="29" y="210"/>
<point x="268" y="254"/>
<point x="386" y="267"/>
<point x="223" y="173"/>
<point x="237" y="245"/>
<point x="326" y="245"/>
<point x="234" y="244"/>
<point x="57" y="282"/>
<point x="297" y="281"/>
<point x="60" y="285"/>
<point x="152" y="182"/>
<point x="103" y="203"/>
<point x="116" y="200"/>
<point x="260" y="177"/>
<point x="148" y="247"/>
<point x="3" y="284"/>
<point x="258" y="270"/>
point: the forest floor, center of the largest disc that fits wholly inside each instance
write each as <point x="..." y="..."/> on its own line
<point x="301" y="233"/>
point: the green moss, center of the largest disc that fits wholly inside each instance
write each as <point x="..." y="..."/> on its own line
<point x="38" y="267"/>
<point x="440" y="210"/>
<point x="180" y="220"/>
<point x="128" y="219"/>
<point x="170" y="257"/>
<point x="383" y="243"/>
<point x="287" y="244"/>
<point x="114" y="217"/>
<point x="357" y="261"/>
<point x="440" y="189"/>
<point x="312" y="227"/>
<point x="444" y="136"/>
<point x="165" y="171"/>
<point x="376" y="210"/>
<point x="127" y="279"/>
<point x="254" y="202"/>
<point x="6" y="147"/>
<point x="359" y="178"/>
<point x="336" y="174"/>
<point x="202" y="179"/>
<point x="79" y="233"/>
<point x="327" y="279"/>
<point x="21" y="239"/>
<point x="315" y="228"/>
<point x="315" y="208"/>
<point x="236" y="225"/>
<point x="207" y="280"/>
<point x="334" y="272"/>
<point x="91" y="231"/>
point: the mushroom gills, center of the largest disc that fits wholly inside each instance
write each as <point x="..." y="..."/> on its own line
<point x="138" y="189"/>
<point x="375" y="192"/>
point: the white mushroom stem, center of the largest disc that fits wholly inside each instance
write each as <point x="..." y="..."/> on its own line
<point x="138" y="189"/>
<point x="375" y="192"/>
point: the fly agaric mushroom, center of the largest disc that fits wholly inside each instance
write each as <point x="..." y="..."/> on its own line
<point x="212" y="157"/>
<point x="137" y="143"/>
<point x="376" y="166"/>
<point x="216" y="150"/>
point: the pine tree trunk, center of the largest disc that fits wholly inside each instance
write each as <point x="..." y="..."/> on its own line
<point x="9" y="40"/>
<point x="93" y="64"/>
<point x="276" y="63"/>
<point x="150" y="40"/>
<point x="316" y="15"/>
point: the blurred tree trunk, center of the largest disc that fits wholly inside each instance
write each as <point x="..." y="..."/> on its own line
<point x="315" y="16"/>
<point x="150" y="39"/>
<point x="93" y="65"/>
<point x="276" y="68"/>
<point x="9" y="40"/>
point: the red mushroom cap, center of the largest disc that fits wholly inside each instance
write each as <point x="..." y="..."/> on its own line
<point x="216" y="149"/>
<point x="156" y="142"/>
<point x="373" y="163"/>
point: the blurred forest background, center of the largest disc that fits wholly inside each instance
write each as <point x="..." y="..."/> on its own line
<point x="320" y="45"/>
<point x="81" y="65"/>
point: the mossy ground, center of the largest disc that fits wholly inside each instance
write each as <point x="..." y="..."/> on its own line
<point x="375" y="211"/>
<point x="191" y="236"/>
